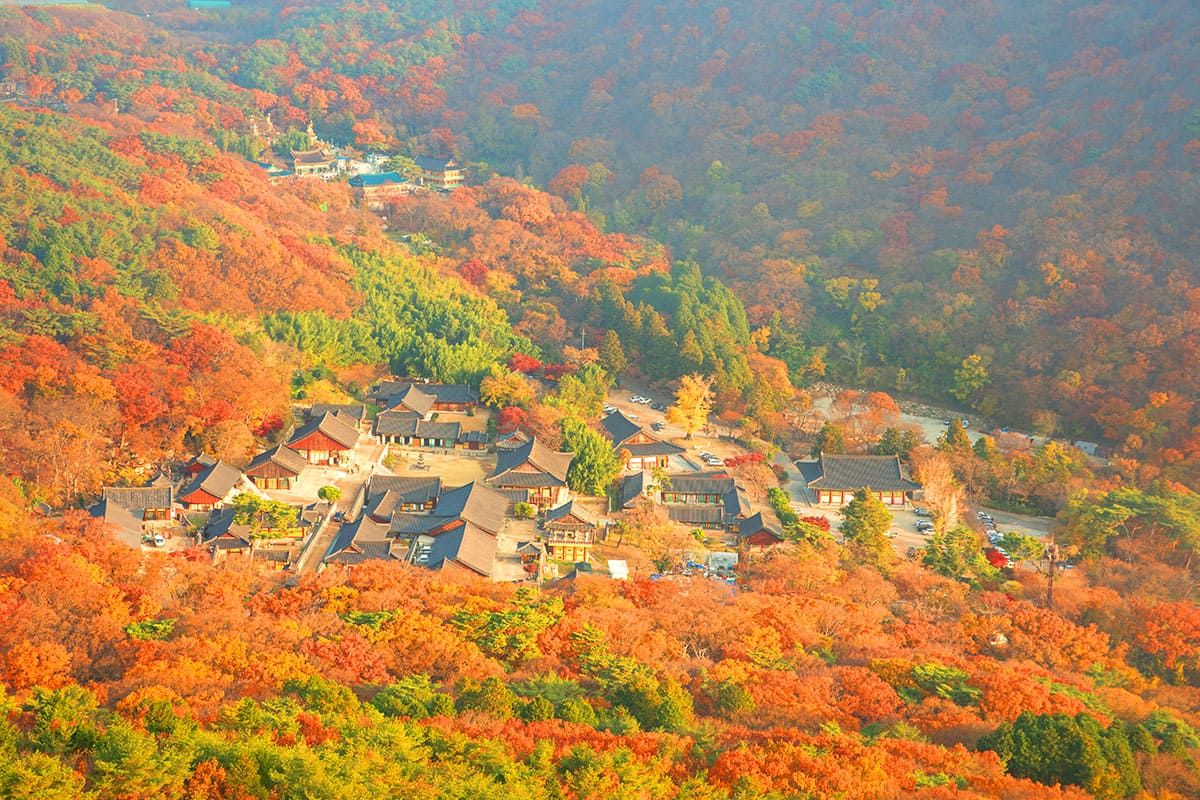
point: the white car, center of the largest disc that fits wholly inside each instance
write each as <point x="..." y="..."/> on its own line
<point x="637" y="398"/>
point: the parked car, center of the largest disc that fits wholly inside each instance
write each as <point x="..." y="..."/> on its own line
<point x="924" y="526"/>
<point x="922" y="512"/>
<point x="609" y="409"/>
<point x="636" y="398"/>
<point x="659" y="406"/>
<point x="983" y="515"/>
<point x="658" y="426"/>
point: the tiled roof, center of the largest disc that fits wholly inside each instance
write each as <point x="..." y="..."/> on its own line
<point x="655" y="448"/>
<point x="396" y="423"/>
<point x="702" y="483"/>
<point x="632" y="487"/>
<point x="115" y="515"/>
<point x="407" y="423"/>
<point x="475" y="503"/>
<point x="466" y="545"/>
<point x="526" y="480"/>
<point x="282" y="456"/>
<point x="880" y="473"/>
<point x="515" y="495"/>
<point x="140" y="497"/>
<point x="201" y="460"/>
<point x="412" y="523"/>
<point x="329" y="425"/>
<point x="356" y="411"/>
<point x="478" y="437"/>
<point x="549" y="463"/>
<point x="358" y="540"/>
<point x="619" y="427"/>
<point x="568" y="510"/>
<point x="451" y="393"/>
<point x="414" y="400"/>
<point x="736" y="503"/>
<point x="696" y="514"/>
<point x="756" y="524"/>
<point x="406" y="489"/>
<point x="218" y="481"/>
<point x="221" y="524"/>
<point x="438" y="430"/>
<point x="433" y="164"/>
<point x="311" y="157"/>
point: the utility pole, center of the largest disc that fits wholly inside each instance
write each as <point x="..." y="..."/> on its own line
<point x="1052" y="557"/>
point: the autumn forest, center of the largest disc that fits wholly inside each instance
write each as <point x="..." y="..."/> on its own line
<point x="822" y="213"/>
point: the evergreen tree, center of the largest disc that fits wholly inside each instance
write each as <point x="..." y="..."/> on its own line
<point x="829" y="440"/>
<point x="955" y="438"/>
<point x="595" y="465"/>
<point x="865" y="521"/>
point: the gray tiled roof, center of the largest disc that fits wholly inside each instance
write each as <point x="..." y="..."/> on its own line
<point x="115" y="515"/>
<point x="356" y="411"/>
<point x="736" y="504"/>
<point x="756" y="524"/>
<point x="357" y="541"/>
<point x="656" y="448"/>
<point x="846" y="472"/>
<point x="202" y="460"/>
<point x="702" y="483"/>
<point x="414" y="400"/>
<point x="412" y="523"/>
<point x="434" y="164"/>
<point x="139" y="497"/>
<point x="619" y="427"/>
<point x="282" y="456"/>
<point x="632" y="487"/>
<point x="696" y="514"/>
<point x="466" y="545"/>
<point x="567" y="511"/>
<point x="515" y="495"/>
<point x="221" y="524"/>
<point x="396" y="423"/>
<point x="438" y="430"/>
<point x="218" y="481"/>
<point x="475" y="503"/>
<point x="449" y="393"/>
<point x="552" y="466"/>
<point x="330" y="425"/>
<point x="406" y="489"/>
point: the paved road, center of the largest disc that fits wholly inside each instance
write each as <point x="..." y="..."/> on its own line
<point x="367" y="454"/>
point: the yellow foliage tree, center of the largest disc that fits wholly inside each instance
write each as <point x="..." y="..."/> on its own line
<point x="693" y="403"/>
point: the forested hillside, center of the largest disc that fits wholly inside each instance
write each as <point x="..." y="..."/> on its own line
<point x="987" y="204"/>
<point x="817" y="678"/>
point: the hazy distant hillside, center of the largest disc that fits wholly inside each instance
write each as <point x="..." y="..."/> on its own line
<point x="889" y="141"/>
<point x="987" y="202"/>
